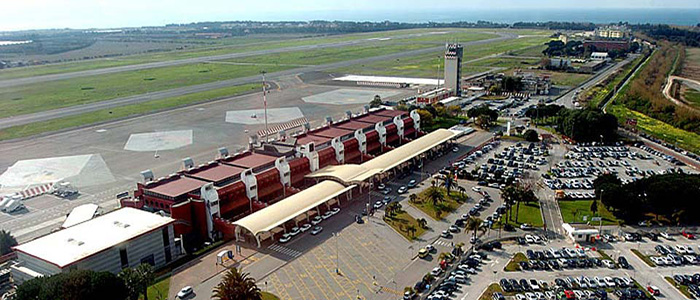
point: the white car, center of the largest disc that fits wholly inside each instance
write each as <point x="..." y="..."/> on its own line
<point x="525" y="226"/>
<point x="295" y="231"/>
<point x="184" y="292"/>
<point x="529" y="239"/>
<point x="285" y="238"/>
<point x="335" y="210"/>
<point x="531" y="296"/>
<point x="402" y="190"/>
<point x="436" y="271"/>
<point x="316" y="230"/>
<point x="609" y="264"/>
<point x="520" y="297"/>
<point x="305" y="227"/>
<point x="327" y="215"/>
<point x="378" y="204"/>
<point x="476" y="189"/>
<point x="665" y="235"/>
<point x="316" y="220"/>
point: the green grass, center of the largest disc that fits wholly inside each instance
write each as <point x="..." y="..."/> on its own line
<point x="530" y="214"/>
<point x="400" y="221"/>
<point x="572" y="211"/>
<point x="426" y="65"/>
<point x="506" y="62"/>
<point x="643" y="257"/>
<point x="530" y="51"/>
<point x="269" y="296"/>
<point x="684" y="139"/>
<point x="598" y="92"/>
<point x="159" y="290"/>
<point x="692" y="97"/>
<point x="122" y="112"/>
<point x="443" y="122"/>
<point x="493" y="288"/>
<point x="682" y="288"/>
<point x="513" y="264"/>
<point x="450" y="204"/>
<point x="63" y="93"/>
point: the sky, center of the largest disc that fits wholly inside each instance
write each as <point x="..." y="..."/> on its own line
<point x="43" y="14"/>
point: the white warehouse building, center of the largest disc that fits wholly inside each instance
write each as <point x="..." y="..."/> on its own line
<point x="126" y="237"/>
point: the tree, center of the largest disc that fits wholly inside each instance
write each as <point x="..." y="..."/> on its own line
<point x="531" y="136"/>
<point x="473" y="223"/>
<point x="426" y="118"/>
<point x="137" y="280"/>
<point x="236" y="286"/>
<point x="7" y="241"/>
<point x="74" y="285"/>
<point x="413" y="198"/>
<point x="376" y="102"/>
<point x="411" y="229"/>
<point x="435" y="195"/>
<point x="515" y="194"/>
<point x="594" y="207"/>
<point x="461" y="190"/>
<point x="587" y="125"/>
<point x="423" y="223"/>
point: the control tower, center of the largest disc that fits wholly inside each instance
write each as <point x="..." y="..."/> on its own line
<point x="453" y="67"/>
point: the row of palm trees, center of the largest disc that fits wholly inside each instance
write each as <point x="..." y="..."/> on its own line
<point x="237" y="286"/>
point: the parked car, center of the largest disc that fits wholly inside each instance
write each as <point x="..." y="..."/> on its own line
<point x="184" y="292"/>
<point x="316" y="230"/>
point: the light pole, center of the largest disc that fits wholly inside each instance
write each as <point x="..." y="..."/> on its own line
<point x="337" y="256"/>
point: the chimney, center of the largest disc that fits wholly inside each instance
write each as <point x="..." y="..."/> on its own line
<point x="329" y="120"/>
<point x="307" y="127"/>
<point x="366" y="109"/>
<point x="348" y="114"/>
<point x="223" y="152"/>
<point x="252" y="141"/>
<point x="282" y="135"/>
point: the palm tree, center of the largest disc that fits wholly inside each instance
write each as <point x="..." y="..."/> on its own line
<point x="411" y="229"/>
<point x="146" y="276"/>
<point x="137" y="280"/>
<point x="461" y="190"/>
<point x="422" y="222"/>
<point x="397" y="207"/>
<point x="236" y="286"/>
<point x="413" y="198"/>
<point x="435" y="195"/>
<point x="473" y="223"/>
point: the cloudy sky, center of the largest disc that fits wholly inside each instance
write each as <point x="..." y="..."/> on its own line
<point x="34" y="14"/>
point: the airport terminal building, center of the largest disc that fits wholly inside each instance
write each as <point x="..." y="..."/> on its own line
<point x="259" y="193"/>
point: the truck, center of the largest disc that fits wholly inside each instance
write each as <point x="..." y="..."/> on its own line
<point x="12" y="206"/>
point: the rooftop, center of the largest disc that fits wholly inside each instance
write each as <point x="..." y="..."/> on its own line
<point x="251" y="160"/>
<point x="307" y="138"/>
<point x="409" y="80"/>
<point x="215" y="173"/>
<point x="353" y="125"/>
<point x="70" y="245"/>
<point x="372" y="119"/>
<point x="331" y="132"/>
<point x="177" y="187"/>
<point x="389" y="113"/>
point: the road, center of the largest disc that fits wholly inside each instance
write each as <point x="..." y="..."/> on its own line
<point x="667" y="90"/>
<point x="568" y="98"/>
<point x="80" y="109"/>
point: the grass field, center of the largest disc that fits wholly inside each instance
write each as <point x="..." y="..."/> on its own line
<point x="513" y="264"/>
<point x="269" y="296"/>
<point x="63" y="93"/>
<point x="426" y="65"/>
<point x="692" y="96"/>
<point x="643" y="257"/>
<point x="530" y="214"/>
<point x="493" y="288"/>
<point x="402" y="220"/>
<point x="530" y="51"/>
<point x="236" y="45"/>
<point x="658" y="129"/>
<point x="573" y="211"/>
<point x="122" y="112"/>
<point x="682" y="288"/>
<point x="598" y="92"/>
<point x="450" y="204"/>
<point x="159" y="290"/>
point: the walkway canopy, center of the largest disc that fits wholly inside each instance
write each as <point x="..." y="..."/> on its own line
<point x="290" y="207"/>
<point x="350" y="173"/>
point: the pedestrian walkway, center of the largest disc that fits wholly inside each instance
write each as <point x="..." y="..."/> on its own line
<point x="443" y="243"/>
<point x="284" y="250"/>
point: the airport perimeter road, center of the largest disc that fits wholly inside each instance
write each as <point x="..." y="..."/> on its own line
<point x="568" y="99"/>
<point x="80" y="109"/>
<point x="169" y="63"/>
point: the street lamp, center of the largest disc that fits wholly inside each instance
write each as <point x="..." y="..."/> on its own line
<point x="337" y="256"/>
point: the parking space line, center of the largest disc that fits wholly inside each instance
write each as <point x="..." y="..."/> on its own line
<point x="358" y="242"/>
<point x="304" y="261"/>
<point x="296" y="280"/>
<point x="279" y="288"/>
<point x="355" y="268"/>
<point x="323" y="259"/>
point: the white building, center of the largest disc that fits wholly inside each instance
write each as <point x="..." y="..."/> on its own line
<point x="599" y="56"/>
<point x="126" y="237"/>
<point x="580" y="232"/>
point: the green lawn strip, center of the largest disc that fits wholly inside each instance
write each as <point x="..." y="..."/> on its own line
<point x="644" y="289"/>
<point x="573" y="211"/>
<point x="269" y="296"/>
<point x="63" y="93"/>
<point x="682" y="288"/>
<point x="530" y="51"/>
<point x="529" y="213"/>
<point x="444" y="122"/>
<point x="400" y="221"/>
<point x="684" y="139"/>
<point x="159" y="290"/>
<point x="599" y="92"/>
<point x="643" y="257"/>
<point x="450" y="204"/>
<point x="122" y="112"/>
<point x="513" y="264"/>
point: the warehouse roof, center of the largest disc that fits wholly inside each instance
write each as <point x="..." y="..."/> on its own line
<point x="308" y="138"/>
<point x="331" y="132"/>
<point x="292" y="206"/>
<point x="387" y="79"/>
<point x="80" y="214"/>
<point x="353" y="125"/>
<point x="70" y="245"/>
<point x="351" y="172"/>
<point x="389" y="113"/>
<point x="177" y="187"/>
<point x="251" y="160"/>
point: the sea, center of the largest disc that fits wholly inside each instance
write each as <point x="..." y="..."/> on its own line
<point x="685" y="17"/>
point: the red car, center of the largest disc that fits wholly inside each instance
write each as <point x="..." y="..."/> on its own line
<point x="688" y="235"/>
<point x="653" y="290"/>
